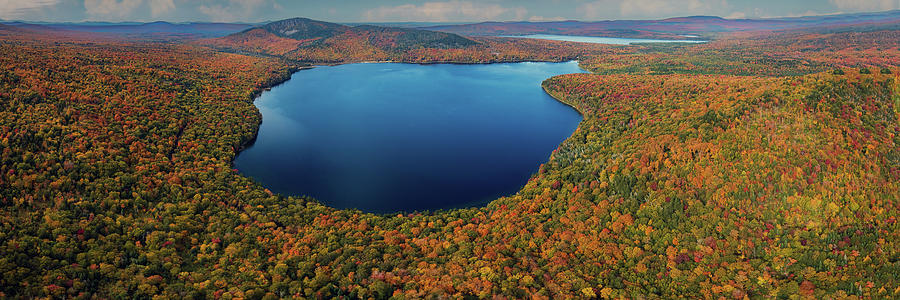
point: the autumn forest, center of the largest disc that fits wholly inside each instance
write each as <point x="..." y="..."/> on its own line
<point x="764" y="163"/>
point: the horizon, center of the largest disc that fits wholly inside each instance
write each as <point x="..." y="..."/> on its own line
<point x="431" y="23"/>
<point x="406" y="11"/>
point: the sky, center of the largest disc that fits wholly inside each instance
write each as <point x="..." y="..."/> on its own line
<point x="419" y="11"/>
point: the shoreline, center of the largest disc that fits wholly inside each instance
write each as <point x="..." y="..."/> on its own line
<point x="258" y="93"/>
<point x="446" y="62"/>
<point x="563" y="102"/>
<point x="253" y="97"/>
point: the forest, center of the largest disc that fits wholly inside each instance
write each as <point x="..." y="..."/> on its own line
<point x="759" y="165"/>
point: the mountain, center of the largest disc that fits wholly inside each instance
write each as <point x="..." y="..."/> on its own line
<point x="304" y="29"/>
<point x="666" y="28"/>
<point x="302" y="38"/>
<point x="388" y="38"/>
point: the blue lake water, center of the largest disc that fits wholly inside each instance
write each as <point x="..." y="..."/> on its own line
<point x="388" y="137"/>
<point x="598" y="40"/>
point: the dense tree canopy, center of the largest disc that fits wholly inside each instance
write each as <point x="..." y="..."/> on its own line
<point x="712" y="178"/>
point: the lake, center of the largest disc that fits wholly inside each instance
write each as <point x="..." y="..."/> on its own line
<point x="598" y="40"/>
<point x="390" y="137"/>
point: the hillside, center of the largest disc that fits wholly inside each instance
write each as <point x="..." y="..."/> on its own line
<point x="306" y="40"/>
<point x="760" y="165"/>
<point x="303" y="29"/>
<point x="312" y="41"/>
<point x="402" y="39"/>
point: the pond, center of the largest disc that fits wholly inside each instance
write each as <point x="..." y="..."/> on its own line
<point x="598" y="40"/>
<point x="390" y="137"/>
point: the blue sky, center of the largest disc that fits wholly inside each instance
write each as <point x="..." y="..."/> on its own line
<point x="407" y="10"/>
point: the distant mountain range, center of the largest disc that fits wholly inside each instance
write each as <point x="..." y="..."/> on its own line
<point x="410" y="34"/>
<point x="667" y="28"/>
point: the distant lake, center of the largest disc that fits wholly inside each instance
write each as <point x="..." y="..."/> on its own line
<point x="388" y="137"/>
<point x="598" y="40"/>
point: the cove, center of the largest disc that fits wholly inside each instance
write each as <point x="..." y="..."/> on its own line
<point x="598" y="40"/>
<point x="392" y="137"/>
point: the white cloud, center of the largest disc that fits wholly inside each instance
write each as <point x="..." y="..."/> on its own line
<point x="217" y="13"/>
<point x="866" y="5"/>
<point x="736" y="15"/>
<point x="11" y="9"/>
<point x="650" y="9"/>
<point x="110" y="10"/>
<point x="160" y="7"/>
<point x="446" y="11"/>
<point x="234" y="10"/>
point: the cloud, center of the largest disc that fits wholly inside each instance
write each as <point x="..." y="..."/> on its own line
<point x="217" y="13"/>
<point x="649" y="9"/>
<point x="11" y="9"/>
<point x="161" y="7"/>
<point x="737" y="15"/>
<point x="110" y="10"/>
<point x="234" y="10"/>
<point x="446" y="11"/>
<point x="866" y="5"/>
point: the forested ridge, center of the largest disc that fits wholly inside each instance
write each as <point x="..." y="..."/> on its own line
<point x="312" y="41"/>
<point x="742" y="179"/>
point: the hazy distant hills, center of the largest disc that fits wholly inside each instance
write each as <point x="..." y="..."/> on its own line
<point x="201" y="29"/>
<point x="198" y="30"/>
<point x="672" y="28"/>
